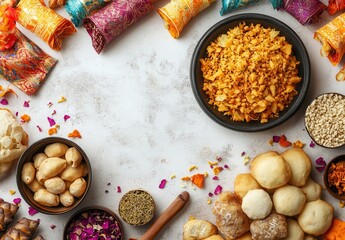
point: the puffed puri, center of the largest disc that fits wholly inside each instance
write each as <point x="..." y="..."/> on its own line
<point x="289" y="200"/>
<point x="316" y="217"/>
<point x="257" y="204"/>
<point x="270" y="170"/>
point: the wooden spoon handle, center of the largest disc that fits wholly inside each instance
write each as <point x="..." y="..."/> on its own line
<point x="166" y="216"/>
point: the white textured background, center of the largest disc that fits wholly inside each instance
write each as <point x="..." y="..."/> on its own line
<point x="140" y="123"/>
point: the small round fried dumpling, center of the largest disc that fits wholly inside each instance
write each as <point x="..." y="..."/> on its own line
<point x="56" y="150"/>
<point x="273" y="227"/>
<point x="289" y="200"/>
<point x="215" y="237"/>
<point x="300" y="165"/>
<point x="295" y="232"/>
<point x="73" y="157"/>
<point x="257" y="204"/>
<point x="230" y="219"/>
<point x="38" y="159"/>
<point x="270" y="170"/>
<point x="243" y="183"/>
<point x="312" y="190"/>
<point x="316" y="217"/>
<point x="309" y="237"/>
<point x="198" y="229"/>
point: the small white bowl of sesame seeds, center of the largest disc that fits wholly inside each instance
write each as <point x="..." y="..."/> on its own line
<point x="325" y="120"/>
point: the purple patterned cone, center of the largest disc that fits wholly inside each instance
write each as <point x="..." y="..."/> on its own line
<point x="305" y="11"/>
<point x="115" y="18"/>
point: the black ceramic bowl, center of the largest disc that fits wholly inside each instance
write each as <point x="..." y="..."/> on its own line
<point x="222" y="27"/>
<point x="28" y="195"/>
<point x="96" y="211"/>
<point x="332" y="189"/>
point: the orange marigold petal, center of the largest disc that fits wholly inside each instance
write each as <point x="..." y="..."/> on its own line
<point x="25" y="118"/>
<point x="198" y="180"/>
<point x="74" y="134"/>
<point x="52" y="131"/>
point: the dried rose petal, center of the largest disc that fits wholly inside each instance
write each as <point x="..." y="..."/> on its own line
<point x="118" y="189"/>
<point x="312" y="144"/>
<point x="17" y="114"/>
<point x="321" y="162"/>
<point x="226" y="166"/>
<point x="219" y="159"/>
<point x="32" y="211"/>
<point x="210" y="194"/>
<point x="54" y="112"/>
<point x="243" y="153"/>
<point x="50" y="104"/>
<point x="4" y="101"/>
<point x="26" y="104"/>
<point x="215" y="178"/>
<point x="17" y="201"/>
<point x="52" y="226"/>
<point x="39" y="128"/>
<point x="320" y="169"/>
<point x="276" y="139"/>
<point x="162" y="184"/>
<point x="218" y="190"/>
<point x="66" y="117"/>
<point x="51" y="121"/>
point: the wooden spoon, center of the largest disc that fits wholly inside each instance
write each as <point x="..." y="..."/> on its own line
<point x="166" y="216"/>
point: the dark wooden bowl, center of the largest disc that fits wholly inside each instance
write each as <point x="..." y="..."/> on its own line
<point x="333" y="190"/>
<point x="87" y="209"/>
<point x="25" y="191"/>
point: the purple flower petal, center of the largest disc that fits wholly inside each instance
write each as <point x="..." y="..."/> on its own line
<point x="52" y="226"/>
<point x="4" y="101"/>
<point x="118" y="189"/>
<point x="321" y="162"/>
<point x="54" y="112"/>
<point x="17" y="201"/>
<point x="243" y="153"/>
<point x="32" y="211"/>
<point x="312" y="144"/>
<point x="320" y="169"/>
<point x="210" y="194"/>
<point x="276" y="139"/>
<point x="51" y="121"/>
<point x="39" y="128"/>
<point x="226" y="166"/>
<point x="26" y="104"/>
<point x="215" y="178"/>
<point x="66" y="117"/>
<point x="219" y="159"/>
<point x="17" y="114"/>
<point x="162" y="184"/>
<point x="218" y="190"/>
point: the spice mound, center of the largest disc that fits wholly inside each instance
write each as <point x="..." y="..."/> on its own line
<point x="137" y="207"/>
<point x="336" y="177"/>
<point x="93" y="224"/>
<point x="250" y="73"/>
<point x="325" y="120"/>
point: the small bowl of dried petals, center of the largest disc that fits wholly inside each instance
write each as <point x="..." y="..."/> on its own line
<point x="325" y="120"/>
<point x="250" y="72"/>
<point x="334" y="177"/>
<point x="93" y="223"/>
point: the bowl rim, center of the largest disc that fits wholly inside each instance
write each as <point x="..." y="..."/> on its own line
<point x="305" y="124"/>
<point x="94" y="207"/>
<point x="325" y="177"/>
<point x="21" y="185"/>
<point x="305" y="78"/>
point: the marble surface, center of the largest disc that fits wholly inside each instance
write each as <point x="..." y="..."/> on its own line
<point x="140" y="123"/>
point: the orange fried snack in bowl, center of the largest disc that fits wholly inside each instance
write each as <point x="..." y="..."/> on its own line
<point x="178" y="13"/>
<point x="44" y="22"/>
<point x="250" y="73"/>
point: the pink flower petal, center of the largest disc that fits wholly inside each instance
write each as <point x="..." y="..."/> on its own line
<point x="26" y="104"/>
<point x="243" y="153"/>
<point x="312" y="144"/>
<point x="51" y="121"/>
<point x="66" y="117"/>
<point x="321" y="162"/>
<point x="52" y="226"/>
<point x="17" y="201"/>
<point x="39" y="128"/>
<point x="215" y="178"/>
<point x="226" y="166"/>
<point x="54" y="112"/>
<point x="162" y="184"/>
<point x="276" y="139"/>
<point x="219" y="159"/>
<point x="210" y="194"/>
<point x="32" y="211"/>
<point x="17" y="114"/>
<point x="50" y="104"/>
<point x="218" y="190"/>
<point x="4" y="101"/>
<point x="118" y="189"/>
